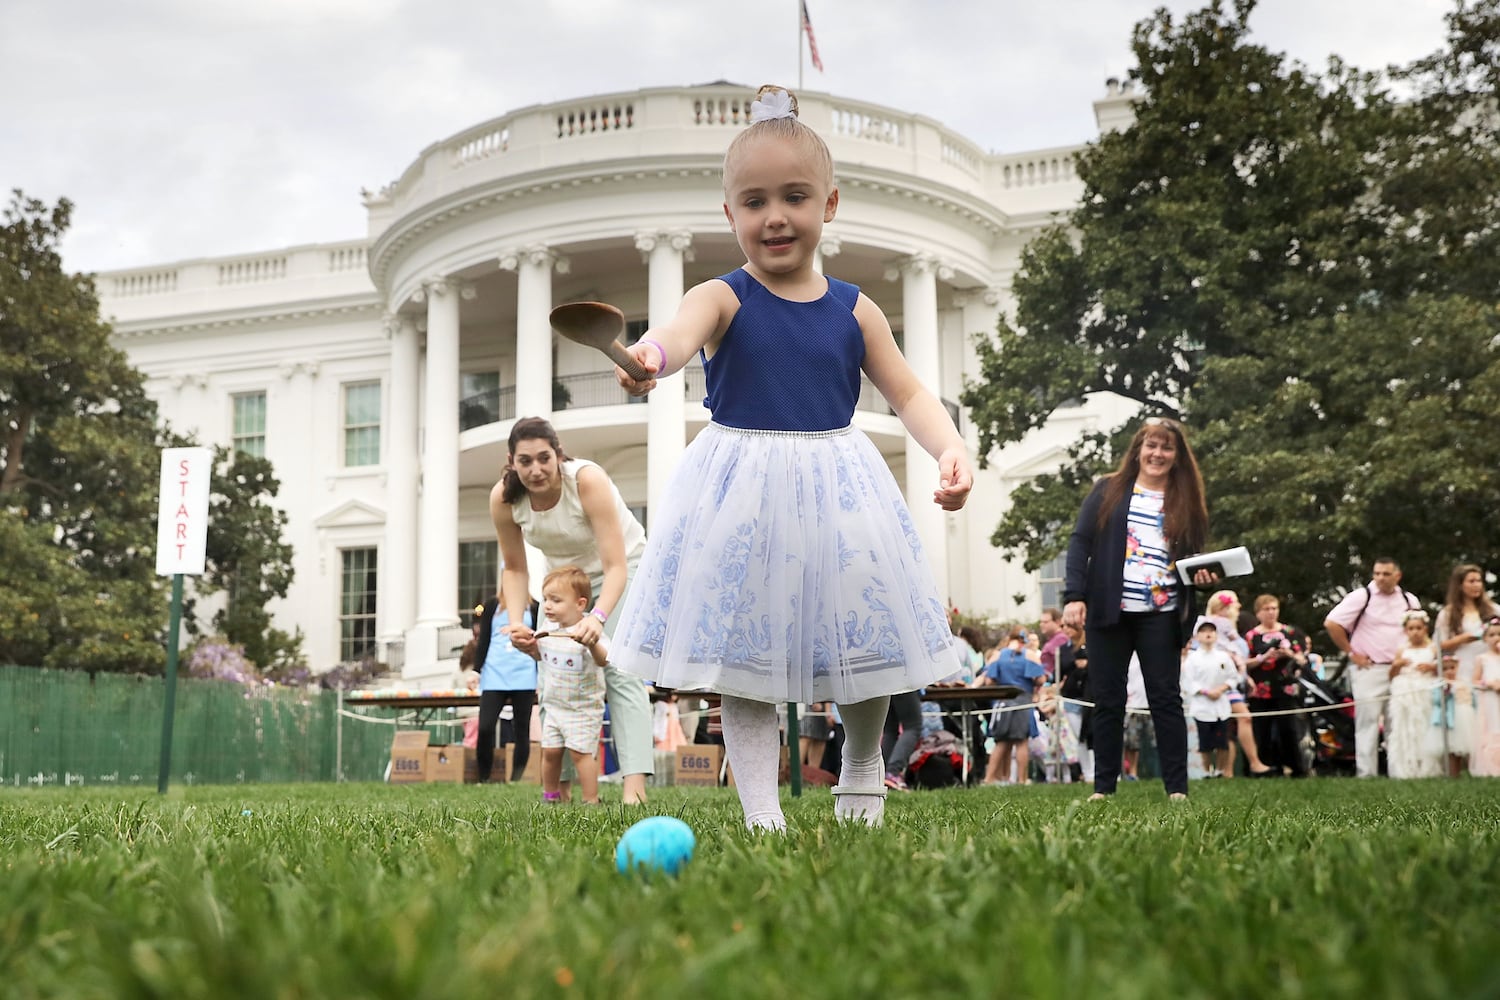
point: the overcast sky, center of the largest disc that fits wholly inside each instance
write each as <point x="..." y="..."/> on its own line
<point x="189" y="128"/>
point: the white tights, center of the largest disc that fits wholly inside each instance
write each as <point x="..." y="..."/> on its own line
<point x="752" y="744"/>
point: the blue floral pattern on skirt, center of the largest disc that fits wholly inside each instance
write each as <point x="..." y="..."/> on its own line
<point x="789" y="570"/>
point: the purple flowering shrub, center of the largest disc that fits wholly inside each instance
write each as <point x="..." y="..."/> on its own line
<point x="351" y="675"/>
<point x="216" y="658"/>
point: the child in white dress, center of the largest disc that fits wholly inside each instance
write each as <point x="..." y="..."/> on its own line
<point x="1450" y="733"/>
<point x="1484" y="755"/>
<point x="1414" y="675"/>
<point x="570" y="685"/>
<point x="783" y="564"/>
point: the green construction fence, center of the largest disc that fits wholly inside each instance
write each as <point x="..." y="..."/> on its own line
<point x="68" y="727"/>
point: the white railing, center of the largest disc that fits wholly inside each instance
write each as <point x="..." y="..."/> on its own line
<point x="719" y="109"/>
<point x="482" y="146"/>
<point x="257" y="269"/>
<point x="346" y="259"/>
<point x="1036" y="171"/>
<point x="606" y="117"/>
<point x="963" y="157"/>
<point x="124" y="286"/>
<point x="853" y="124"/>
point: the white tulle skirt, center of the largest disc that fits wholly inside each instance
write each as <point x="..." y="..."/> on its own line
<point x="784" y="566"/>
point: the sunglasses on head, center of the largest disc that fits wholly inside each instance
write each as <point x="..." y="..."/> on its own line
<point x="1166" y="422"/>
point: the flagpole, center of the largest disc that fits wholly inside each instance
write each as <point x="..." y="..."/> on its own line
<point x="798" y="6"/>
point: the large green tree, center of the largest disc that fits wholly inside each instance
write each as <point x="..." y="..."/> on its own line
<point x="80" y="458"/>
<point x="1304" y="269"/>
<point x="78" y="466"/>
<point x="247" y="560"/>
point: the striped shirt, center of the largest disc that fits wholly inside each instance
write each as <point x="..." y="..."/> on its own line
<point x="1150" y="572"/>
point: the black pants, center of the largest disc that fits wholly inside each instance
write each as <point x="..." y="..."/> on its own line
<point x="1156" y="638"/>
<point x="490" y="704"/>
<point x="1278" y="738"/>
<point x="905" y="715"/>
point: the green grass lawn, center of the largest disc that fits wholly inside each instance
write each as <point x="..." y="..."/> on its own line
<point x="1328" y="888"/>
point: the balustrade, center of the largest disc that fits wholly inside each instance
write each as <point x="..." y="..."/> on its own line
<point x="591" y="389"/>
<point x="863" y="125"/>
<point x="245" y="272"/>
<point x="722" y="110"/>
<point x="485" y="144"/>
<point x="145" y="283"/>
<point x="603" y="118"/>
<point x="346" y="259"/>
<point x="1037" y="171"/>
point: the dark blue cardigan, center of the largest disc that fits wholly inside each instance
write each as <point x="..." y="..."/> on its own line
<point x="1095" y="570"/>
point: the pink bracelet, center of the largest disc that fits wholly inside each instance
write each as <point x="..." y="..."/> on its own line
<point x="603" y="618"/>
<point x="659" y="350"/>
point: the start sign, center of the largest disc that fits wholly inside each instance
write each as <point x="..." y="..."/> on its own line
<point x="182" y="514"/>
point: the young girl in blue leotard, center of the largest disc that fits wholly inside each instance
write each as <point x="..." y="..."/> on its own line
<point x="783" y="564"/>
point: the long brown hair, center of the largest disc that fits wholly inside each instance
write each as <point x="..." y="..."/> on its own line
<point x="1184" y="509"/>
<point x="1454" y="606"/>
<point x="527" y="429"/>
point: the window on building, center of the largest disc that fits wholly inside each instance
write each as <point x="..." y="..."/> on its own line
<point x="249" y="431"/>
<point x="357" y="604"/>
<point x="478" y="399"/>
<point x="1051" y="579"/>
<point x="478" y="576"/>
<point x="362" y="423"/>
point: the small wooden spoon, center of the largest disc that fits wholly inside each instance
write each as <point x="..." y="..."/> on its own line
<point x="597" y="325"/>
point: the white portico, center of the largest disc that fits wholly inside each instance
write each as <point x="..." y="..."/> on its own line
<point x="388" y="386"/>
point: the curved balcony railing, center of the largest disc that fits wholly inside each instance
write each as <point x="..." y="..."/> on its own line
<point x="577" y="392"/>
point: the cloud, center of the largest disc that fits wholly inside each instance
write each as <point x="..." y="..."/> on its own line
<point x="194" y="127"/>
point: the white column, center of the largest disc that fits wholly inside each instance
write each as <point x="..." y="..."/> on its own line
<point x="828" y="246"/>
<point x="398" y="564"/>
<point x="980" y="309"/>
<point x="919" y="274"/>
<point x="666" y="407"/>
<point x="437" y="550"/>
<point x="533" y="266"/>
<point x="970" y="566"/>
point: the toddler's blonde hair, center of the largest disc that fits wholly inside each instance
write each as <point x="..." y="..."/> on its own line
<point x="790" y="129"/>
<point x="570" y="578"/>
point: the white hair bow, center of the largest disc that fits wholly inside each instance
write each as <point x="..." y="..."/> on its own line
<point x="776" y="104"/>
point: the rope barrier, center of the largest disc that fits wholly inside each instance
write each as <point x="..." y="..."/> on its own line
<point x="1375" y="700"/>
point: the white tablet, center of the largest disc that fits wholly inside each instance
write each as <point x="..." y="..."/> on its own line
<point x="1225" y="562"/>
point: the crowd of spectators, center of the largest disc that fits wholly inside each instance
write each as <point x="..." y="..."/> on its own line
<point x="1424" y="685"/>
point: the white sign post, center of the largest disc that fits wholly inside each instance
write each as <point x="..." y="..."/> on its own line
<point x="181" y="549"/>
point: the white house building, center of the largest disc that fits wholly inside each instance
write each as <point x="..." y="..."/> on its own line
<point x="381" y="375"/>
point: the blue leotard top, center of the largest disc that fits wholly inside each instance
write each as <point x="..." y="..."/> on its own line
<point x="786" y="366"/>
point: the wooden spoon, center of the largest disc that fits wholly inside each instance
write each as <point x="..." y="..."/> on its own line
<point x="597" y="325"/>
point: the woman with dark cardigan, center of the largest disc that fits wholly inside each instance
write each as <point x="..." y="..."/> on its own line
<point x="1121" y="586"/>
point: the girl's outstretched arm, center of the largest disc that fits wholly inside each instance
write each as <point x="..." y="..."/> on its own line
<point x="920" y="411"/>
<point x="703" y="316"/>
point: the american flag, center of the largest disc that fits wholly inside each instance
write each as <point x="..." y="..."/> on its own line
<point x="812" y="42"/>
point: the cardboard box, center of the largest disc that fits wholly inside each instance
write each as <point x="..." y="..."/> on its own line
<point x="533" y="775"/>
<point x="409" y="757"/>
<point x="698" y="764"/>
<point x="447" y="763"/>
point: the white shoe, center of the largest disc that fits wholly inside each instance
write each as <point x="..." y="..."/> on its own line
<point x="865" y="805"/>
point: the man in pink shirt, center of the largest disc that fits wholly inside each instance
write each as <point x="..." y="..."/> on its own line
<point x="1053" y="639"/>
<point x="1366" y="625"/>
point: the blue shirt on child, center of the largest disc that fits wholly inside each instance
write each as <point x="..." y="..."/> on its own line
<point x="505" y="667"/>
<point x="1012" y="667"/>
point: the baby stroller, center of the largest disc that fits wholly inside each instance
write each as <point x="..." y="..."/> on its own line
<point x="1328" y="737"/>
